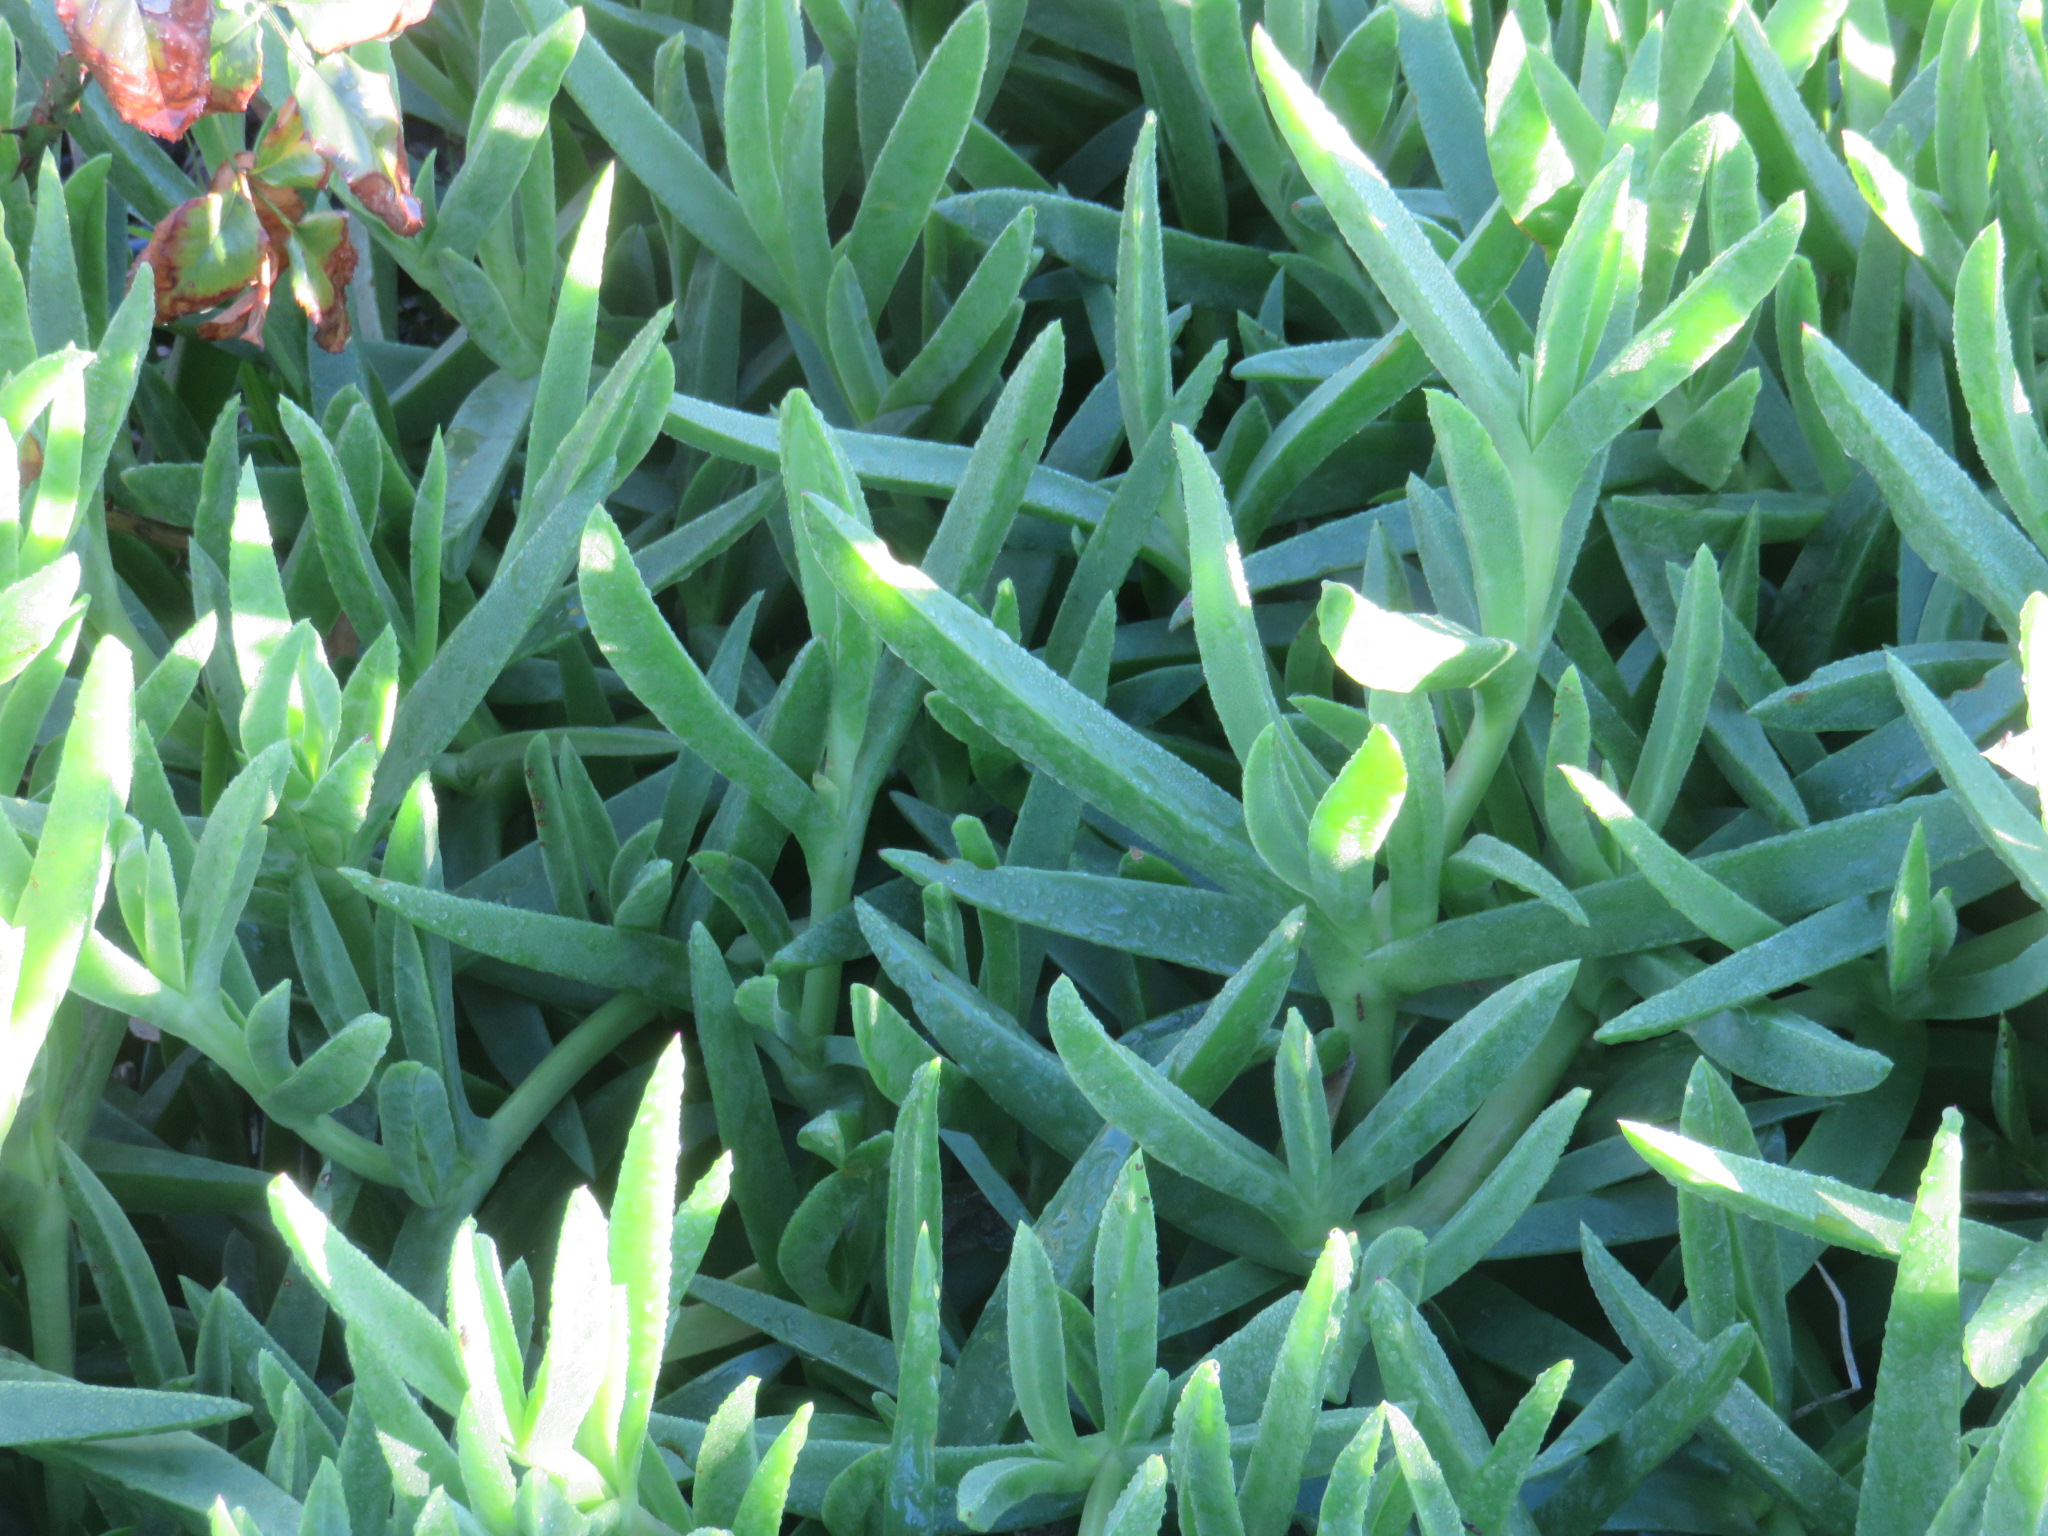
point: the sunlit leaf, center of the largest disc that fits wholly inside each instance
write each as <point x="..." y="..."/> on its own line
<point x="351" y="116"/>
<point x="151" y="60"/>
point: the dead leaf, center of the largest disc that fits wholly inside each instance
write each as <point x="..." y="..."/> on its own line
<point x="207" y="250"/>
<point x="236" y="66"/>
<point x="323" y="259"/>
<point x="284" y="156"/>
<point x="351" y="116"/>
<point x="244" y="319"/>
<point x="149" y="56"/>
<point x="393" y="203"/>
<point x="227" y="250"/>
<point x="280" y="208"/>
<point x="230" y="248"/>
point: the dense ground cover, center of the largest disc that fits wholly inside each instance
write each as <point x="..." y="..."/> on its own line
<point x="909" y="767"/>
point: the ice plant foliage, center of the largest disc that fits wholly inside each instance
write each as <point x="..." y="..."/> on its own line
<point x="893" y="767"/>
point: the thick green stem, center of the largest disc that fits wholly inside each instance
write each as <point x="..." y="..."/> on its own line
<point x="547" y="1084"/>
<point x="1102" y="1495"/>
<point x="1500" y="701"/>
<point x="1369" y="1021"/>
<point x="37" y="1221"/>
<point x="419" y="1257"/>
<point x="69" y="1075"/>
<point x="44" y="1245"/>
<point x="1360" y="1008"/>
<point x="353" y="1150"/>
<point x="831" y="889"/>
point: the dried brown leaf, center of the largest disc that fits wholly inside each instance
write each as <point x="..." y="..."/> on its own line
<point x="323" y="259"/>
<point x="149" y="56"/>
<point x="351" y="116"/>
<point x="236" y="67"/>
<point x="207" y="250"/>
<point x="284" y="156"/>
<point x="391" y="202"/>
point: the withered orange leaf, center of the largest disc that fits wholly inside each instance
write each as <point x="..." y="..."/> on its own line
<point x="323" y="259"/>
<point x="243" y="320"/>
<point x="206" y="251"/>
<point x="351" y="116"/>
<point x="149" y="56"/>
<point x="227" y="250"/>
<point x="328" y="26"/>
<point x="392" y="201"/>
<point x="280" y="208"/>
<point x="285" y="157"/>
<point x="236" y="68"/>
